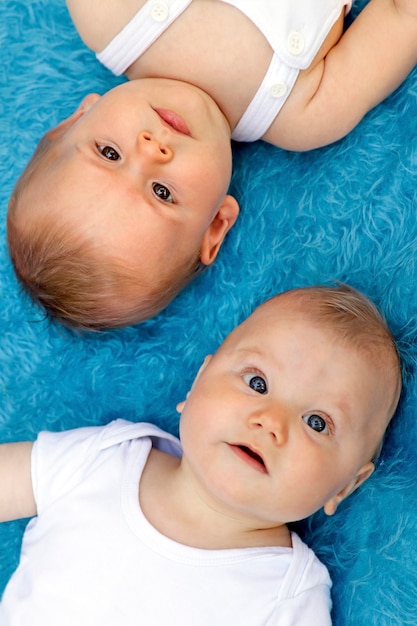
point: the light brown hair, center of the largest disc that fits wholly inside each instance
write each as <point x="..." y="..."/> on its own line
<point x="74" y="282"/>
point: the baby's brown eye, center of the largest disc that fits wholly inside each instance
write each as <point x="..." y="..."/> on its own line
<point x="162" y="192"/>
<point x="109" y="153"/>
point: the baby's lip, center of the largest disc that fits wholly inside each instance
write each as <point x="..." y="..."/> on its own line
<point x="250" y="456"/>
<point x="174" y="121"/>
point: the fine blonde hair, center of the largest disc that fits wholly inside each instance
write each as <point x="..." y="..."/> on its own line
<point x="349" y="316"/>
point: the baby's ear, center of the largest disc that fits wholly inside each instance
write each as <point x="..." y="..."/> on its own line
<point x="222" y="222"/>
<point x="363" y="474"/>
<point x="63" y="126"/>
<point x="180" y="405"/>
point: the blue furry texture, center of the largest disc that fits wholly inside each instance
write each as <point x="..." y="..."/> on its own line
<point x="344" y="212"/>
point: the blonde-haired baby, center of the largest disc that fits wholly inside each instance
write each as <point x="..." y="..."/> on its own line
<point x="131" y="526"/>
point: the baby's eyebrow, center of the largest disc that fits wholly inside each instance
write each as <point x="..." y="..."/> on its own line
<point x="249" y="351"/>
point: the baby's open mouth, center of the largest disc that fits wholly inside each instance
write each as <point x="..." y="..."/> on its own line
<point x="251" y="457"/>
<point x="252" y="454"/>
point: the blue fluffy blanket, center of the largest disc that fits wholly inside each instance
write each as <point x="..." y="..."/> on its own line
<point x="343" y="212"/>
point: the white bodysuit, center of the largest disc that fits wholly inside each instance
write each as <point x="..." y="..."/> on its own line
<point x="90" y="557"/>
<point x="295" y="29"/>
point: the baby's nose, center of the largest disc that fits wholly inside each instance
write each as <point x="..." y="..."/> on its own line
<point x="153" y="148"/>
<point x="273" y="422"/>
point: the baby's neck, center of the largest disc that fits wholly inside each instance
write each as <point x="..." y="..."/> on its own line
<point x="171" y="506"/>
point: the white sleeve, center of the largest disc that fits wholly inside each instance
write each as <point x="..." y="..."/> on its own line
<point x="60" y="460"/>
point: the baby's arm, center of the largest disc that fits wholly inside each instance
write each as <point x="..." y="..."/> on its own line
<point x="98" y="21"/>
<point x="372" y="58"/>
<point x="16" y="493"/>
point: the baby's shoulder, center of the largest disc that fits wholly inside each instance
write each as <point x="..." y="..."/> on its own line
<point x="98" y="21"/>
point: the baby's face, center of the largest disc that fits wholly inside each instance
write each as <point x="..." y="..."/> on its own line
<point x="143" y="171"/>
<point x="282" y="418"/>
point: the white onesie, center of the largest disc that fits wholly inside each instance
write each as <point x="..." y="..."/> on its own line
<point x="295" y="29"/>
<point x="91" y="557"/>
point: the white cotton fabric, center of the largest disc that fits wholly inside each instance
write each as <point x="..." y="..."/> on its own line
<point x="91" y="558"/>
<point x="278" y="20"/>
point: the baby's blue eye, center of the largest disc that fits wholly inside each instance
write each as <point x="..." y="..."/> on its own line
<point x="256" y="382"/>
<point x="316" y="422"/>
<point x="109" y="153"/>
<point x="162" y="192"/>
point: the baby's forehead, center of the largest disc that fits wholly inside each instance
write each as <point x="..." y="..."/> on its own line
<point x="271" y="315"/>
<point x="286" y="314"/>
